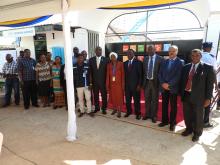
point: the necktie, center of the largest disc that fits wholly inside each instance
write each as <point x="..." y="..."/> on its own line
<point x="98" y="62"/>
<point x="170" y="64"/>
<point x="129" y="65"/>
<point x="190" y="78"/>
<point x="150" y="68"/>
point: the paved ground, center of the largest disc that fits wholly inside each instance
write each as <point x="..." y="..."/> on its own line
<point x="37" y="137"/>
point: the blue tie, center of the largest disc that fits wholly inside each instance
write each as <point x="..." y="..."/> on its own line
<point x="150" y="68"/>
<point x="170" y="64"/>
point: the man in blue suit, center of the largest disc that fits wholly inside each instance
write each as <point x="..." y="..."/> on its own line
<point x="169" y="77"/>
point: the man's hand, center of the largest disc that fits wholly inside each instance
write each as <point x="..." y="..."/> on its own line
<point x="165" y="86"/>
<point x="207" y="103"/>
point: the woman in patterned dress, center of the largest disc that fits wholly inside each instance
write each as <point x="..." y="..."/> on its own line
<point x="43" y="77"/>
<point x="59" y="99"/>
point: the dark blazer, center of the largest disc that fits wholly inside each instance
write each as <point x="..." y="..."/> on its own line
<point x="157" y="65"/>
<point x="98" y="76"/>
<point x="78" y="72"/>
<point x="171" y="76"/>
<point x="202" y="83"/>
<point x="133" y="78"/>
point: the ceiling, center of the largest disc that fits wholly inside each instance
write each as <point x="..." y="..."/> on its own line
<point x="88" y="14"/>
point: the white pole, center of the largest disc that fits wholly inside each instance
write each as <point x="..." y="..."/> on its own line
<point x="71" y="125"/>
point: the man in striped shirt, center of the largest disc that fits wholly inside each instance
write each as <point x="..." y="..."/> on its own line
<point x="26" y="67"/>
<point x="10" y="73"/>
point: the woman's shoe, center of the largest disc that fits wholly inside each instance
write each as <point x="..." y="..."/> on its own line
<point x="119" y="114"/>
<point x="113" y="112"/>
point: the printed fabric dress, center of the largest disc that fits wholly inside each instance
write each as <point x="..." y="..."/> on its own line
<point x="59" y="98"/>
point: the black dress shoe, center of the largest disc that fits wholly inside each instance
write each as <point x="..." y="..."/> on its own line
<point x="162" y="124"/>
<point x="5" y="105"/>
<point x="145" y="118"/>
<point x="26" y="107"/>
<point x="80" y="114"/>
<point x="96" y="110"/>
<point x="154" y="120"/>
<point x="104" y="112"/>
<point x="127" y="115"/>
<point x="36" y="105"/>
<point x="138" y="117"/>
<point x="172" y="127"/>
<point x="207" y="125"/>
<point x="186" y="133"/>
<point x="91" y="114"/>
<point x="195" y="138"/>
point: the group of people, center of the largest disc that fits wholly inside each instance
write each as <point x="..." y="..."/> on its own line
<point x="193" y="82"/>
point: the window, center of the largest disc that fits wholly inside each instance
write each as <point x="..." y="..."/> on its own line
<point x="93" y="42"/>
<point x="155" y="25"/>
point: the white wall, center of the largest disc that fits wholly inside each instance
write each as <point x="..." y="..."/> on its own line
<point x="80" y="39"/>
<point x="213" y="32"/>
<point x="28" y="43"/>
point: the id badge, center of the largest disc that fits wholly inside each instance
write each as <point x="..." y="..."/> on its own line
<point x="113" y="78"/>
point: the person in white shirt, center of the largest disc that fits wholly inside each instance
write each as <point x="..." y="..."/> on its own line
<point x="209" y="59"/>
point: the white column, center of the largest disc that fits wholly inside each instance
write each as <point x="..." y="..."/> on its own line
<point x="71" y="125"/>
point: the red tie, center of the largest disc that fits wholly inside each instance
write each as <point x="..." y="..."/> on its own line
<point x="189" y="81"/>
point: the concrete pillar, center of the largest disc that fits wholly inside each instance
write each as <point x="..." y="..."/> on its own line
<point x="71" y="125"/>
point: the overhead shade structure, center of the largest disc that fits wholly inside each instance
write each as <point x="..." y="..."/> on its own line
<point x="146" y="4"/>
<point x="24" y="22"/>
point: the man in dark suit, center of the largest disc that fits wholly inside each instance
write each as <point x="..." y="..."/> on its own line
<point x="196" y="89"/>
<point x="133" y="82"/>
<point x="169" y="76"/>
<point x="98" y="66"/>
<point x="151" y="67"/>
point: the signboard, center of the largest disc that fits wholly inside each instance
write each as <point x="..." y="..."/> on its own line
<point x="125" y="48"/>
<point x="19" y="32"/>
<point x="140" y="48"/>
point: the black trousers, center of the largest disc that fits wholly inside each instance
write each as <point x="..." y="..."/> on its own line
<point x="151" y="93"/>
<point x="30" y="93"/>
<point x="218" y="103"/>
<point x="207" y="114"/>
<point x="166" y="98"/>
<point x="193" y="115"/>
<point x="102" y="89"/>
<point x="129" y="93"/>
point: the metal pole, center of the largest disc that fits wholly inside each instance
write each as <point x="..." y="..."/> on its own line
<point x="71" y="125"/>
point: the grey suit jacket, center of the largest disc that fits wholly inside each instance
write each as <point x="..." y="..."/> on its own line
<point x="157" y="64"/>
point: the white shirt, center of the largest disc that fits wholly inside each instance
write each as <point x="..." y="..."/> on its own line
<point x="131" y="61"/>
<point x="208" y="59"/>
<point x="196" y="66"/>
<point x="98" y="60"/>
<point x="148" y="65"/>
